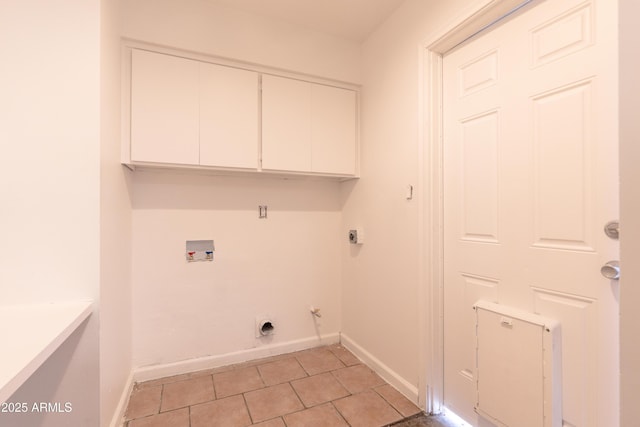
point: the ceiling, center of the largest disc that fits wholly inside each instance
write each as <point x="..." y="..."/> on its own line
<point x="351" y="19"/>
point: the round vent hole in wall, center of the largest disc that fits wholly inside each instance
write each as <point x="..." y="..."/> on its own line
<point x="266" y="328"/>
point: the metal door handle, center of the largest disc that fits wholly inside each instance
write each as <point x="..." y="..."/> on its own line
<point x="611" y="270"/>
<point x="612" y="229"/>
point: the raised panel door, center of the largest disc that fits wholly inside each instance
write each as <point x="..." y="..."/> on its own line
<point x="530" y="179"/>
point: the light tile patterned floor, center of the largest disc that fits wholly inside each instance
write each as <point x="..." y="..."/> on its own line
<point x="323" y="387"/>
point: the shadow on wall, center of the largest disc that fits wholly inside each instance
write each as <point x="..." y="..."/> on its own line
<point x="45" y="398"/>
<point x="168" y="189"/>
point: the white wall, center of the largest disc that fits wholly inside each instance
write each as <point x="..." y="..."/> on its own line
<point x="629" y="211"/>
<point x="278" y="266"/>
<point x="115" y="227"/>
<point x="202" y="26"/>
<point x="381" y="286"/>
<point x="49" y="136"/>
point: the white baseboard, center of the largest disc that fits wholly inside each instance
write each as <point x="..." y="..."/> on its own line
<point x="409" y="390"/>
<point x="118" y="416"/>
<point x="147" y="373"/>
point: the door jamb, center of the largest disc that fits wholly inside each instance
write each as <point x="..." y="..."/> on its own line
<point x="478" y="17"/>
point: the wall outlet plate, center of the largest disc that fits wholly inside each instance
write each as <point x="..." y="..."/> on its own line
<point x="356" y="236"/>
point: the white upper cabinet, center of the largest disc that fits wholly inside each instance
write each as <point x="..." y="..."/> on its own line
<point x="228" y="117"/>
<point x="308" y="127"/>
<point x="189" y="112"/>
<point x="333" y="130"/>
<point x="286" y="124"/>
<point x="164" y="109"/>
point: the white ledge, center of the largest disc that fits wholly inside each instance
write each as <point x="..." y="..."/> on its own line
<point x="30" y="334"/>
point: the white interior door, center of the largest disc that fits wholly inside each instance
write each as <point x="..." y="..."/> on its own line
<point x="530" y="180"/>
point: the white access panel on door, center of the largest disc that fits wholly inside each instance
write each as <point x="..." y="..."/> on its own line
<point x="518" y="358"/>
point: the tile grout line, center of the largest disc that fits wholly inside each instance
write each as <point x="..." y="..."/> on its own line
<point x="161" y="397"/>
<point x="338" y="411"/>
<point x="213" y="387"/>
<point x="244" y="399"/>
<point x="264" y="383"/>
<point x="304" y="406"/>
<point x="331" y="402"/>
<point x="387" y="400"/>
<point x="303" y="368"/>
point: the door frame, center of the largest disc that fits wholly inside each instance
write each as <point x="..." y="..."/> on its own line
<point x="481" y="15"/>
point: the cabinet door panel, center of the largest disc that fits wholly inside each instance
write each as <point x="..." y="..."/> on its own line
<point x="228" y="117"/>
<point x="333" y="130"/>
<point x="286" y="124"/>
<point x="164" y="109"/>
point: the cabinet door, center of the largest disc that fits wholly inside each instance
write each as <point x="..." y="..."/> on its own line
<point x="286" y="124"/>
<point x="228" y="117"/>
<point x="164" y="108"/>
<point x="333" y="130"/>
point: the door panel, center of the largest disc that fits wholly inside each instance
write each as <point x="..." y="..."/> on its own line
<point x="333" y="130"/>
<point x="164" y="108"/>
<point x="530" y="179"/>
<point x="228" y="117"/>
<point x="286" y="124"/>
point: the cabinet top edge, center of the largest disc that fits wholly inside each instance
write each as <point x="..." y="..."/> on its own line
<point x="233" y="172"/>
<point x="127" y="45"/>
